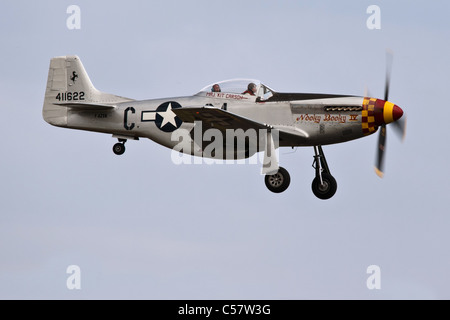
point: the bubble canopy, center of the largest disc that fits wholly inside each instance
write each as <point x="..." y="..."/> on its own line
<point x="239" y="86"/>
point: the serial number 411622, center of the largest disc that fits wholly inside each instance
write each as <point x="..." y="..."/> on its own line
<point x="70" y="96"/>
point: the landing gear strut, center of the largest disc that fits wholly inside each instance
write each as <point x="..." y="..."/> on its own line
<point x="119" y="148"/>
<point x="324" y="185"/>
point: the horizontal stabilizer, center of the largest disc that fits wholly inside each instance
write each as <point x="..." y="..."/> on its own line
<point x="85" y="106"/>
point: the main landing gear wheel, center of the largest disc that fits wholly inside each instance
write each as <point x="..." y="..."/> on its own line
<point x="324" y="185"/>
<point x="326" y="189"/>
<point x="119" y="148"/>
<point x="279" y="181"/>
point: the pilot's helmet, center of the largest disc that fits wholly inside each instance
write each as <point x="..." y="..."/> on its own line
<point x="251" y="86"/>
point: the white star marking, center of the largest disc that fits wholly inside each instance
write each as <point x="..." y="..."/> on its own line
<point x="168" y="116"/>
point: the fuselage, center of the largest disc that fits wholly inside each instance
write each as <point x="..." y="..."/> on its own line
<point x="322" y="121"/>
<point x="302" y="119"/>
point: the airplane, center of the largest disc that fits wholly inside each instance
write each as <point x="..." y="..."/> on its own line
<point x="259" y="118"/>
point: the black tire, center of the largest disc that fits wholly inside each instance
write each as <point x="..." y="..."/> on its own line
<point x="119" y="148"/>
<point x="327" y="190"/>
<point x="279" y="181"/>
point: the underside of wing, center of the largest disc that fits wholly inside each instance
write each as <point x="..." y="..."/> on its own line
<point x="223" y="120"/>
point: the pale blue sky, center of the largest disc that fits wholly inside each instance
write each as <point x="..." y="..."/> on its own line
<point x="141" y="227"/>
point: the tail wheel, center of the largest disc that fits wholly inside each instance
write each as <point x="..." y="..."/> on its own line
<point x="279" y="181"/>
<point x="119" y="148"/>
<point x="324" y="190"/>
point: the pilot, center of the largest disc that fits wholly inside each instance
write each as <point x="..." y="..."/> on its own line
<point x="215" y="88"/>
<point x="251" y="89"/>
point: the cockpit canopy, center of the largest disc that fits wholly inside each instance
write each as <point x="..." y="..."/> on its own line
<point x="239" y="86"/>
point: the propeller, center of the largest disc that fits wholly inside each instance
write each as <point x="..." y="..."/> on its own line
<point x="398" y="122"/>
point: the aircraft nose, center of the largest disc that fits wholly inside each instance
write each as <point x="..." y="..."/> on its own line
<point x="397" y="112"/>
<point x="386" y="112"/>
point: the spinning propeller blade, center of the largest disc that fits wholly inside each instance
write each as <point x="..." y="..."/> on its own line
<point x="391" y="112"/>
<point x="389" y="58"/>
<point x="379" y="165"/>
<point x="399" y="127"/>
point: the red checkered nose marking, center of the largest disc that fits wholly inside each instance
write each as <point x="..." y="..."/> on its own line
<point x="386" y="112"/>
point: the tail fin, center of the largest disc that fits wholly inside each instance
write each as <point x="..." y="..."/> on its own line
<point x="68" y="84"/>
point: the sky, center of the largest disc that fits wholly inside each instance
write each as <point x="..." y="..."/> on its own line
<point x="138" y="226"/>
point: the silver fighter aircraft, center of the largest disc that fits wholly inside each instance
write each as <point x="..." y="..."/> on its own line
<point x="232" y="119"/>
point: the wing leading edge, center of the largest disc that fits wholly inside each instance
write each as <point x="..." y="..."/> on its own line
<point x="223" y="120"/>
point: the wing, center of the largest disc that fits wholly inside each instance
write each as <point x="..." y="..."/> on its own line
<point x="217" y="118"/>
<point x="223" y="120"/>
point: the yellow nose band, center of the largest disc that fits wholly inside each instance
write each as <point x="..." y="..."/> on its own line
<point x="388" y="112"/>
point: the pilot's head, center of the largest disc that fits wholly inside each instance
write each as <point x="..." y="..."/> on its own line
<point x="215" y="88"/>
<point x="252" y="87"/>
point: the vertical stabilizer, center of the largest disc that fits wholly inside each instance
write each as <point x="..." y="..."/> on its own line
<point x="68" y="82"/>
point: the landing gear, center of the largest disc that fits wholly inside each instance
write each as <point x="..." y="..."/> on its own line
<point x="279" y="181"/>
<point x="326" y="189"/>
<point x="324" y="185"/>
<point x="119" y="148"/>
